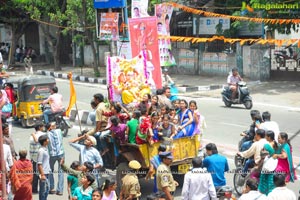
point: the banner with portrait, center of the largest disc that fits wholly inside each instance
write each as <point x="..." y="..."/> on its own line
<point x="127" y="79"/>
<point x="163" y="12"/>
<point x="108" y="26"/>
<point x="139" y="8"/>
<point x="144" y="42"/>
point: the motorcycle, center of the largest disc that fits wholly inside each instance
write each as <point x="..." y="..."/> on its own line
<point x="58" y="118"/>
<point x="238" y="179"/>
<point x="282" y="55"/>
<point x="224" y="192"/>
<point x="243" y="96"/>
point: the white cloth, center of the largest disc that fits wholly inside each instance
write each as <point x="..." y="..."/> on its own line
<point x="34" y="146"/>
<point x="255" y="150"/>
<point x="1" y="58"/>
<point x="253" y="194"/>
<point x="233" y="79"/>
<point x="198" y="184"/>
<point x="166" y="80"/>
<point x="280" y="193"/>
<point x="7" y="157"/>
<point x="271" y="126"/>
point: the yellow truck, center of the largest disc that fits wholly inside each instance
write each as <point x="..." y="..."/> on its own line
<point x="183" y="150"/>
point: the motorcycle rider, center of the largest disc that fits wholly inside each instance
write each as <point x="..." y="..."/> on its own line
<point x="254" y="150"/>
<point x="232" y="80"/>
<point x="56" y="103"/>
<point x="166" y="79"/>
<point x="248" y="138"/>
<point x="269" y="125"/>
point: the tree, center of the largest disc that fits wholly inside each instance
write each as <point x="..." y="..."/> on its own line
<point x="51" y="13"/>
<point x="12" y="14"/>
<point x="82" y="13"/>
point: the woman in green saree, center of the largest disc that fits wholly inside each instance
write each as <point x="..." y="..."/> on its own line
<point x="266" y="184"/>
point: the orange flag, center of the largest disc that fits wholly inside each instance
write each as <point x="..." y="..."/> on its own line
<point x="72" y="95"/>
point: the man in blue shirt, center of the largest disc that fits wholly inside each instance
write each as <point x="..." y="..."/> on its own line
<point x="88" y="152"/>
<point x="56" y="153"/>
<point x="215" y="164"/>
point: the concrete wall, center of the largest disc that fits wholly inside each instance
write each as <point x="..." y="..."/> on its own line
<point x="217" y="63"/>
<point x="246" y="61"/>
<point x="256" y="63"/>
<point x="88" y="55"/>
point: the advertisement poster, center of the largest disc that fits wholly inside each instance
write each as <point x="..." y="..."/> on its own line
<point x="144" y="42"/>
<point x="139" y="8"/>
<point x="109" y="26"/>
<point x="163" y="12"/>
<point x="127" y="79"/>
<point x="124" y="49"/>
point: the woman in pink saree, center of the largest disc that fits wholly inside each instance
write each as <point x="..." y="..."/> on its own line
<point x="285" y="159"/>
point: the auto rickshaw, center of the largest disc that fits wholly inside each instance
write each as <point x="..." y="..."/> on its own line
<point x="31" y="91"/>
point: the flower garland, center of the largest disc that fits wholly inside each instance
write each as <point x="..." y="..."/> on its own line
<point x="278" y="42"/>
<point x="240" y="18"/>
<point x="110" y="89"/>
<point x="145" y="65"/>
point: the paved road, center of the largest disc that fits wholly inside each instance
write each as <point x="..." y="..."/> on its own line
<point x="224" y="126"/>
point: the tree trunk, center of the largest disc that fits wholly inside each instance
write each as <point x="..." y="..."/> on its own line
<point x="56" y="50"/>
<point x="16" y="33"/>
<point x="96" y="62"/>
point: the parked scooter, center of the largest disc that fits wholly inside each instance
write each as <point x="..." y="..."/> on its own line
<point x="58" y="118"/>
<point x="282" y="55"/>
<point x="243" y="96"/>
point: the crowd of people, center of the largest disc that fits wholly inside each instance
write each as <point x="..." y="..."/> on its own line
<point x="264" y="143"/>
<point x="155" y="119"/>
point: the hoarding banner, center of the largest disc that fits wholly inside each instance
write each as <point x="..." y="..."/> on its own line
<point x="144" y="42"/>
<point x="109" y="26"/>
<point x="109" y="3"/>
<point x="163" y="12"/>
<point x="139" y="8"/>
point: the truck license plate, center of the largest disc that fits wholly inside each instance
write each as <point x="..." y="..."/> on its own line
<point x="184" y="168"/>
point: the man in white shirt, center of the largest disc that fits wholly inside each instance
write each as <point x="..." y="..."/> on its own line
<point x="281" y="191"/>
<point x="34" y="146"/>
<point x="56" y="103"/>
<point x="250" y="191"/>
<point x="269" y="125"/>
<point x="166" y="79"/>
<point x="7" y="157"/>
<point x="254" y="150"/>
<point x="198" y="183"/>
<point x="164" y="99"/>
<point x="1" y="58"/>
<point x="232" y="81"/>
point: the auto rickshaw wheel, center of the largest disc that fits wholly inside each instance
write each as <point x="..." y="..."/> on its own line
<point x="64" y="128"/>
<point x="23" y="122"/>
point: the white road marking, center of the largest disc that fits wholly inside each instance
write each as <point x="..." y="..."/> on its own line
<point x="237" y="125"/>
<point x="290" y="108"/>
